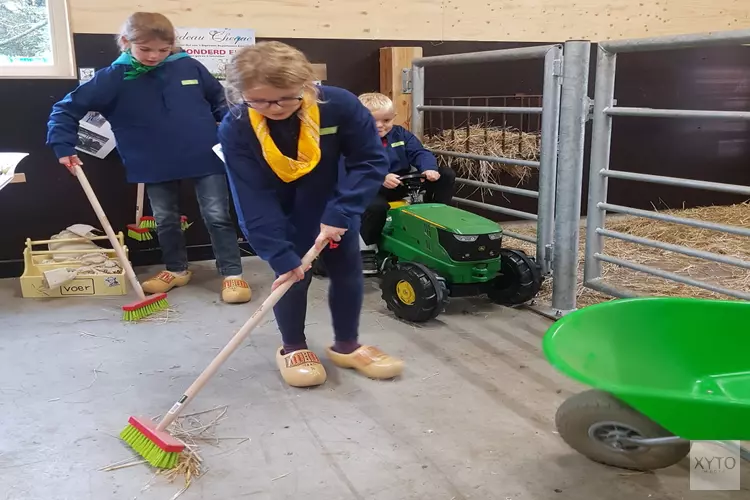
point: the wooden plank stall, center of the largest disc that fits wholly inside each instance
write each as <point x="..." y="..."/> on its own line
<point x="393" y="62"/>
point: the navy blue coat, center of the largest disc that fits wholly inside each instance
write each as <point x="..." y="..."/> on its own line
<point x="281" y="220"/>
<point x="164" y="121"/>
<point x="405" y="151"/>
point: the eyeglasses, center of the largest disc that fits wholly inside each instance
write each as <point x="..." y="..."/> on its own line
<point x="286" y="102"/>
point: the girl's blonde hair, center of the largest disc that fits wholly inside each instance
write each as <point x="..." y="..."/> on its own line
<point x="144" y="27"/>
<point x="275" y="64"/>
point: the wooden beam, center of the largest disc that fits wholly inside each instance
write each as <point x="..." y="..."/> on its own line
<point x="393" y="60"/>
<point x="321" y="72"/>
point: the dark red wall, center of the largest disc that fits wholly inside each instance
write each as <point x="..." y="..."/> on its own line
<point x="697" y="79"/>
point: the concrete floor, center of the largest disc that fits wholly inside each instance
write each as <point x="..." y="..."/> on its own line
<point x="472" y="417"/>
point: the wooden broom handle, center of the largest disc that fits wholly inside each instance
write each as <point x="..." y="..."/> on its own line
<point x="139" y="204"/>
<point x="236" y="341"/>
<point x="124" y="262"/>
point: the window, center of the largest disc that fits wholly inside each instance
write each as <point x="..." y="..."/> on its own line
<point x="35" y="39"/>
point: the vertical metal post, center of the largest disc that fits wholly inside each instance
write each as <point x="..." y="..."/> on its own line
<point x="601" y="136"/>
<point x="574" y="104"/>
<point x="417" y="99"/>
<point x="548" y="158"/>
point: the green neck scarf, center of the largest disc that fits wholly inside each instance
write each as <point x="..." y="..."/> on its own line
<point x="137" y="68"/>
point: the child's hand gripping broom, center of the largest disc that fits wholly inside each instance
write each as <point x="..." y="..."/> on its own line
<point x="146" y="305"/>
<point x="152" y="441"/>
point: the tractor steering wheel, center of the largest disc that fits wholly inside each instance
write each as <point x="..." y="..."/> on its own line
<point x="414" y="179"/>
<point x="414" y="184"/>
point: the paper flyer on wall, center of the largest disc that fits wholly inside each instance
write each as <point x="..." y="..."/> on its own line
<point x="8" y="164"/>
<point x="214" y="47"/>
<point x="95" y="135"/>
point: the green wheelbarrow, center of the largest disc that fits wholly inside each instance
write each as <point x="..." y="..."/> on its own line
<point x="663" y="371"/>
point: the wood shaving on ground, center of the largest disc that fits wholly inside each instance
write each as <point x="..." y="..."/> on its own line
<point x="164" y="316"/>
<point x="715" y="273"/>
<point x="192" y="429"/>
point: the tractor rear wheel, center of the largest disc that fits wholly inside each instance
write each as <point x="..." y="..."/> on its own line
<point x="413" y="292"/>
<point x="519" y="281"/>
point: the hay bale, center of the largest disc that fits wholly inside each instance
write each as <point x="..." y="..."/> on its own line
<point x="487" y="140"/>
<point x="702" y="239"/>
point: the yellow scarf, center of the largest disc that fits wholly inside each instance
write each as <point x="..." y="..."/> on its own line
<point x="308" y="146"/>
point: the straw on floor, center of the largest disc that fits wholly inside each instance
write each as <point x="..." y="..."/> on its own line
<point x="703" y="239"/>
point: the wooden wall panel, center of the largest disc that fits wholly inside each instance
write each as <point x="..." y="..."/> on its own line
<point x="490" y="20"/>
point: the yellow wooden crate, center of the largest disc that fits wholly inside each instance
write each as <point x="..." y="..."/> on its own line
<point x="84" y="285"/>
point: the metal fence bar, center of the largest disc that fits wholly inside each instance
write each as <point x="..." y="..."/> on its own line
<point x="518" y="236"/>
<point x="736" y="37"/>
<point x="417" y="100"/>
<point x="550" y="128"/>
<point x="599" y="285"/>
<point x="536" y="52"/>
<point x="673" y="277"/>
<point x="679" y="182"/>
<point x="690" y="252"/>
<point x="601" y="140"/>
<point x="497" y="187"/>
<point x="574" y="103"/>
<point x="484" y="109"/>
<point x="493" y="159"/>
<point x="678" y="113"/>
<point x="495" y="208"/>
<point x="724" y="228"/>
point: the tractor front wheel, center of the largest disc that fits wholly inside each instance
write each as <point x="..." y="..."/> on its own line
<point x="413" y="292"/>
<point x="519" y="281"/>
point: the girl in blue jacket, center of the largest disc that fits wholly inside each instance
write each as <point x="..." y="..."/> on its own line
<point x="303" y="163"/>
<point x="164" y="107"/>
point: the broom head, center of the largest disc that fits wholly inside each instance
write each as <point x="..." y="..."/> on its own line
<point x="158" y="448"/>
<point x="147" y="222"/>
<point x="139" y="310"/>
<point x="139" y="233"/>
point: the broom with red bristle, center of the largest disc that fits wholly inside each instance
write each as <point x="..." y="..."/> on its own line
<point x="152" y="441"/>
<point x="145" y="306"/>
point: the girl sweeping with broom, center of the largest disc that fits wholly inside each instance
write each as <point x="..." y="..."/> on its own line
<point x="163" y="107"/>
<point x="303" y="163"/>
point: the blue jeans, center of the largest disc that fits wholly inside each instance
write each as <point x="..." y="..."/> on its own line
<point x="213" y="199"/>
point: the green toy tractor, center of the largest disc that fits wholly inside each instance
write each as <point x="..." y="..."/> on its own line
<point x="430" y="252"/>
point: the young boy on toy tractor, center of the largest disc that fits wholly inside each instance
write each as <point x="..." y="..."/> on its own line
<point x="404" y="151"/>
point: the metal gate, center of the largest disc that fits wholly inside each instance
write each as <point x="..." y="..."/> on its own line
<point x="563" y="115"/>
<point x="552" y="55"/>
<point x="603" y="113"/>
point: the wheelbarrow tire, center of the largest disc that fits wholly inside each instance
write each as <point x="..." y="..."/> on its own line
<point x="585" y="413"/>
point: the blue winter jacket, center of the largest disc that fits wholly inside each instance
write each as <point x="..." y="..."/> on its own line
<point x="406" y="151"/>
<point x="281" y="220"/>
<point x="164" y="121"/>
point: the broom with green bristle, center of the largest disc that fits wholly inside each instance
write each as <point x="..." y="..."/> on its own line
<point x="148" y="222"/>
<point x="152" y="441"/>
<point x="137" y="231"/>
<point x="145" y="306"/>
